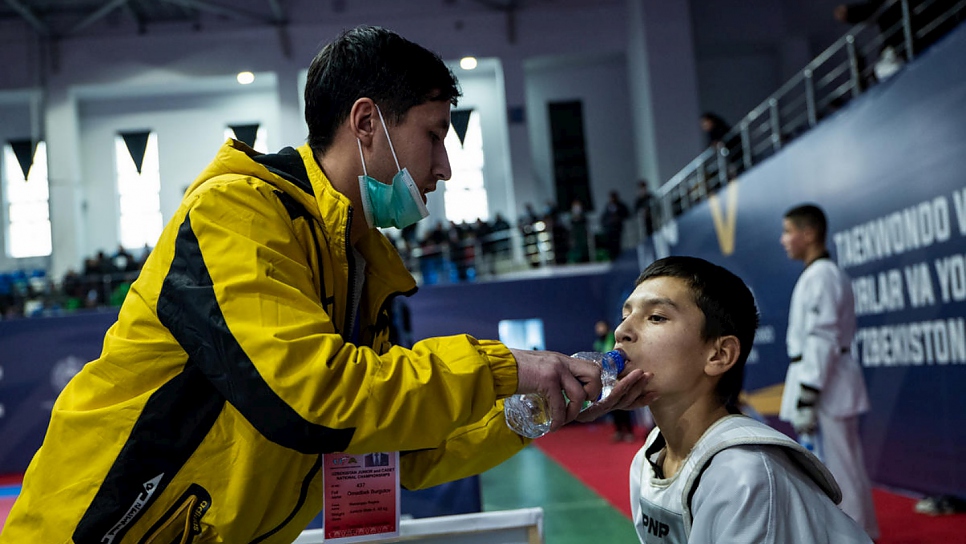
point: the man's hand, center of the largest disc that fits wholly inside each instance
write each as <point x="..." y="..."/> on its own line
<point x="628" y="394"/>
<point x="805" y="419"/>
<point x="550" y="374"/>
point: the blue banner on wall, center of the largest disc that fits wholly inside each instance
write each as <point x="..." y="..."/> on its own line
<point x="39" y="356"/>
<point x="37" y="359"/>
<point x="890" y="172"/>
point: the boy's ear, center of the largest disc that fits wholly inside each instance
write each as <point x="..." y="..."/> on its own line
<point x="363" y="120"/>
<point x="725" y="355"/>
<point x="810" y="234"/>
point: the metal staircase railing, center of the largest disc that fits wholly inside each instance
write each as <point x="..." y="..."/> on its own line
<point x="842" y="72"/>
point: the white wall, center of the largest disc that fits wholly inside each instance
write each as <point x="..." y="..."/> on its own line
<point x="16" y="122"/>
<point x="190" y="129"/>
<point x="544" y="46"/>
<point x="600" y="83"/>
<point x="483" y="92"/>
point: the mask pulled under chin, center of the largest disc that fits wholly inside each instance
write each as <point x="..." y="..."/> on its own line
<point x="398" y="205"/>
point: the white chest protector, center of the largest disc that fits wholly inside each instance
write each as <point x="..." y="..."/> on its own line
<point x="662" y="506"/>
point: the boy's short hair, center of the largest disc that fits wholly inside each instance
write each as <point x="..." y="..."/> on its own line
<point x="728" y="307"/>
<point x="810" y="216"/>
<point x="373" y="62"/>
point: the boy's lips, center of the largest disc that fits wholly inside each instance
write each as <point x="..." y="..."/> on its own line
<point x="623" y="354"/>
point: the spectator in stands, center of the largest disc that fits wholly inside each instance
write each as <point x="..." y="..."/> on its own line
<point x="612" y="225"/>
<point x="714" y="128"/>
<point x="824" y="391"/>
<point x="531" y="228"/>
<point x="707" y="473"/>
<point x="579" y="245"/>
<point x="255" y="339"/>
<point x="500" y="237"/>
<point x="123" y="261"/>
<point x="929" y="21"/>
<point x="559" y="232"/>
<point x="91" y="266"/>
<point x="409" y="236"/>
<point x="144" y="256"/>
<point x="643" y="204"/>
<point x="528" y="217"/>
<point x="105" y="265"/>
<point x="551" y="209"/>
<point x="433" y="253"/>
<point x="461" y="249"/>
<point x="889" y="21"/>
<point x="72" y="287"/>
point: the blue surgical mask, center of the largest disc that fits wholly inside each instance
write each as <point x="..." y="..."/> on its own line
<point x="398" y="205"/>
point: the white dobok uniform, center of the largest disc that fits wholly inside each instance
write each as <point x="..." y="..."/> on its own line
<point x="743" y="482"/>
<point x="821" y="328"/>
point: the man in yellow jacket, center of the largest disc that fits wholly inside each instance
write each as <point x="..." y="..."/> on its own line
<point x="256" y="337"/>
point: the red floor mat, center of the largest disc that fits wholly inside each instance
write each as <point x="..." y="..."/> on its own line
<point x="587" y="452"/>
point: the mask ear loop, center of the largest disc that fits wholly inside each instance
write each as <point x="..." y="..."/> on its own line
<point x="364" y="173"/>
<point x="384" y="128"/>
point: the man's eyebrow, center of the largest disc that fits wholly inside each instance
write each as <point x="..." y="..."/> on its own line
<point x="443" y="124"/>
<point x="659" y="301"/>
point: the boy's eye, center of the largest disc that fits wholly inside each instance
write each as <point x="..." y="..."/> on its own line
<point x="657" y="318"/>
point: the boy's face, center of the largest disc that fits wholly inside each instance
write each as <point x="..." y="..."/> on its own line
<point x="661" y="333"/>
<point x="418" y="141"/>
<point x="794" y="239"/>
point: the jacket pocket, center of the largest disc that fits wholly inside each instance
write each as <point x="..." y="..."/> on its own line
<point x="181" y="524"/>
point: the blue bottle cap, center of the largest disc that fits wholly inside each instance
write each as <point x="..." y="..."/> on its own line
<point x="618" y="358"/>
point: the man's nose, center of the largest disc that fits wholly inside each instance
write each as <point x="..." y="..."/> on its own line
<point x="441" y="167"/>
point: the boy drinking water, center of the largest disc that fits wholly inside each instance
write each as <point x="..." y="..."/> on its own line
<point x="707" y="473"/>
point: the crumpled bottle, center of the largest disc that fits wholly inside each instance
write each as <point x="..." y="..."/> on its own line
<point x="529" y="414"/>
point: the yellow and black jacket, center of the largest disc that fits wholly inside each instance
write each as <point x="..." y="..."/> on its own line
<point x="229" y="372"/>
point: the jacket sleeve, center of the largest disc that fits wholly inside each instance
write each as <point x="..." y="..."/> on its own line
<point x="821" y="347"/>
<point x="470" y="450"/>
<point x="242" y="299"/>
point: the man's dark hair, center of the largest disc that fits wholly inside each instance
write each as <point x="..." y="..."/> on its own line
<point x="811" y="216"/>
<point x="372" y="62"/>
<point x="728" y="307"/>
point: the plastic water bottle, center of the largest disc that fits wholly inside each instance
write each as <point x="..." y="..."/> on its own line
<point x="529" y="415"/>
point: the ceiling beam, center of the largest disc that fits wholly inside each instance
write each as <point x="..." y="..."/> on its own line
<point x="215" y="9"/>
<point x="509" y="8"/>
<point x="278" y="12"/>
<point x="28" y="16"/>
<point x="281" y="25"/>
<point x="99" y="14"/>
<point x="138" y="18"/>
<point x="505" y="5"/>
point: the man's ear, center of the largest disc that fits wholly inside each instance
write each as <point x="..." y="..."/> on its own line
<point x="725" y="355"/>
<point x="363" y="120"/>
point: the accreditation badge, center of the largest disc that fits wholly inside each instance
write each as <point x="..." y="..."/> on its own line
<point x="361" y="496"/>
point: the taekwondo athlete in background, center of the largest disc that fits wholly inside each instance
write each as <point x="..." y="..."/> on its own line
<point x="824" y="389"/>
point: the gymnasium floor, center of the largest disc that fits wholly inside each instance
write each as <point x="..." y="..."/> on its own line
<point x="573" y="513"/>
<point x="579" y="478"/>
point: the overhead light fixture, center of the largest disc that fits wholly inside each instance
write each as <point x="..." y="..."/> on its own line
<point x="468" y="63"/>
<point x="245" y="77"/>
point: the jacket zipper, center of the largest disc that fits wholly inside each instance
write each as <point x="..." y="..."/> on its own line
<point x="350" y="258"/>
<point x="303" y="493"/>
